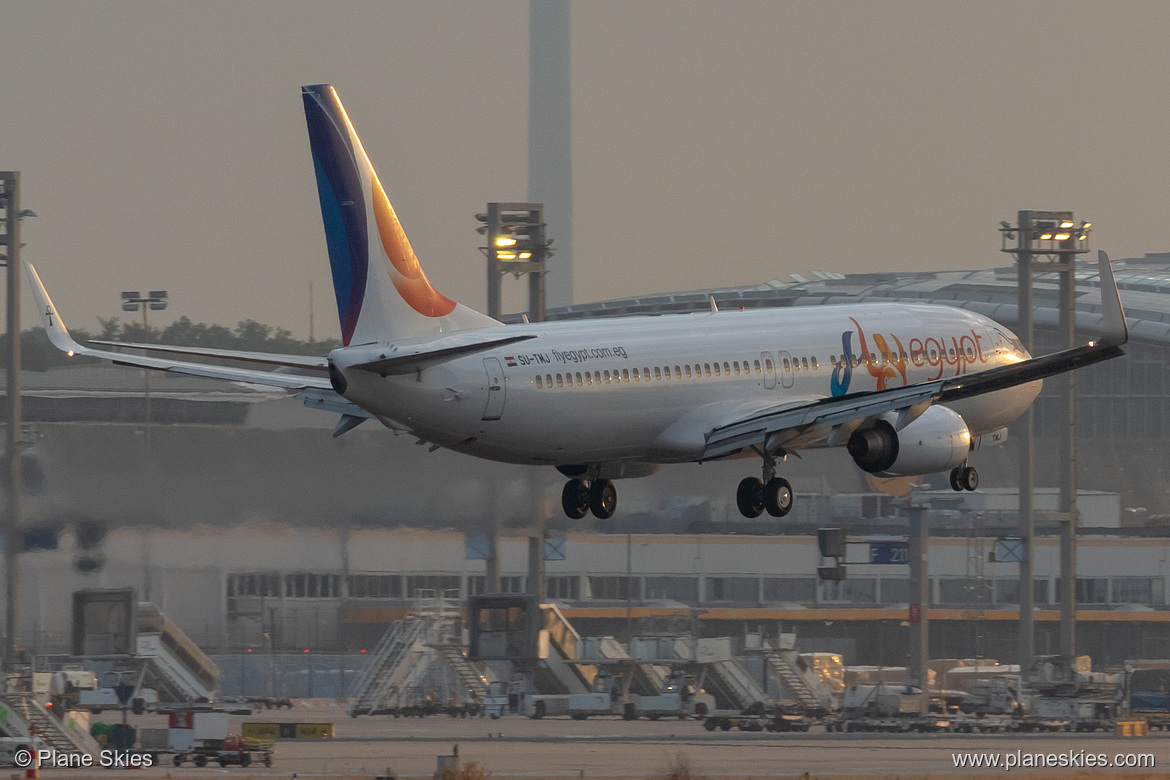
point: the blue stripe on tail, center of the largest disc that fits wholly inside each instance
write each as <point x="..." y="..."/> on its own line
<point x="343" y="207"/>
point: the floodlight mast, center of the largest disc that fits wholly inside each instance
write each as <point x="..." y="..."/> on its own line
<point x="516" y="244"/>
<point x="13" y="532"/>
<point x="1048" y="241"/>
<point x="155" y="300"/>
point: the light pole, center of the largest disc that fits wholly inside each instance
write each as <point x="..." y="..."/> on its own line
<point x="14" y="540"/>
<point x="1049" y="241"/>
<point x="132" y="300"/>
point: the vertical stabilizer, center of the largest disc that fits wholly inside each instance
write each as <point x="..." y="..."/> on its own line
<point x="382" y="293"/>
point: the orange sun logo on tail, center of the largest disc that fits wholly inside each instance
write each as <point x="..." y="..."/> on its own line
<point x="406" y="273"/>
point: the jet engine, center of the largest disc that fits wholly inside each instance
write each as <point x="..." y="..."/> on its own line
<point x="937" y="441"/>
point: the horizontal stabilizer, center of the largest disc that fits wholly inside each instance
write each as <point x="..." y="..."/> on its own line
<point x="407" y="360"/>
<point x="347" y="423"/>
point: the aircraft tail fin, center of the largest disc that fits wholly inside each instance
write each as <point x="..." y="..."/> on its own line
<point x="382" y="292"/>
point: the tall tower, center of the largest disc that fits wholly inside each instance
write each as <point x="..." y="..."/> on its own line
<point x="550" y="150"/>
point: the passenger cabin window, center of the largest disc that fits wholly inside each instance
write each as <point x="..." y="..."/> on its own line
<point x="539" y="382"/>
<point x="716" y="369"/>
<point x="735" y="366"/>
<point x="657" y="372"/>
<point x="625" y="375"/>
<point x="814" y="364"/>
<point x="758" y="369"/>
<point x="560" y="381"/>
<point x="707" y="371"/>
<point x="804" y="363"/>
<point x="784" y="362"/>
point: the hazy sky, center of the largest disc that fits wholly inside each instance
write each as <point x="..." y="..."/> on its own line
<point x="163" y="144"/>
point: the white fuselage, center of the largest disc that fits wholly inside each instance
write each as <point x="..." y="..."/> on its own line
<point x="647" y="389"/>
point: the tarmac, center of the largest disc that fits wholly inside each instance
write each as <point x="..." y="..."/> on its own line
<point x="518" y="747"/>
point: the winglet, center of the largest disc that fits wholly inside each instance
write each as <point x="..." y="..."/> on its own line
<point x="1114" y="331"/>
<point x="54" y="327"/>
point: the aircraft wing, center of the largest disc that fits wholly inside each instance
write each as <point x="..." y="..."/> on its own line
<point x="59" y="336"/>
<point x="797" y="426"/>
<point x="292" y="361"/>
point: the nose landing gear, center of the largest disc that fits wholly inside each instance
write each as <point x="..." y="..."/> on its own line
<point x="772" y="494"/>
<point x="579" y="498"/>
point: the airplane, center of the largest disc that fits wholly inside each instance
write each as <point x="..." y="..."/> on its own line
<point x="906" y="389"/>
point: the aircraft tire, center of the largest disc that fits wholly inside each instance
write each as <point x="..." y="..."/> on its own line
<point x="749" y="497"/>
<point x="575" y="499"/>
<point x="778" y="497"/>
<point x="956" y="484"/>
<point x="969" y="478"/>
<point x="603" y="498"/>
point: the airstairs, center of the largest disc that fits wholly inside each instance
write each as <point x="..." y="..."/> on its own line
<point x="731" y="685"/>
<point x="472" y="683"/>
<point x="173" y="664"/>
<point x="648" y="678"/>
<point x="22" y="715"/>
<point x="805" y="685"/>
<point x="563" y="638"/>
<point x="424" y="646"/>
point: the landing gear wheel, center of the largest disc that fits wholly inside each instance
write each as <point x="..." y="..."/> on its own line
<point x="778" y="496"/>
<point x="969" y="479"/>
<point x="602" y="498"/>
<point x="956" y="479"/>
<point x="749" y="496"/>
<point x="575" y="499"/>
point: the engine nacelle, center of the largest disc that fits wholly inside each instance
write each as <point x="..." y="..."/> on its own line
<point x="937" y="441"/>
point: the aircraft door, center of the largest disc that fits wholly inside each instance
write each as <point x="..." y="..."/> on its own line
<point x="496" y="389"/>
<point x="786" y="369"/>
<point x="769" y="370"/>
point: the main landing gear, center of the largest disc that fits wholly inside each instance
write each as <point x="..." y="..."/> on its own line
<point x="964" y="478"/>
<point x="772" y="494"/>
<point x="579" y="498"/>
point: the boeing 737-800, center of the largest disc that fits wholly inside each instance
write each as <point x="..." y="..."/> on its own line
<point x="906" y="389"/>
